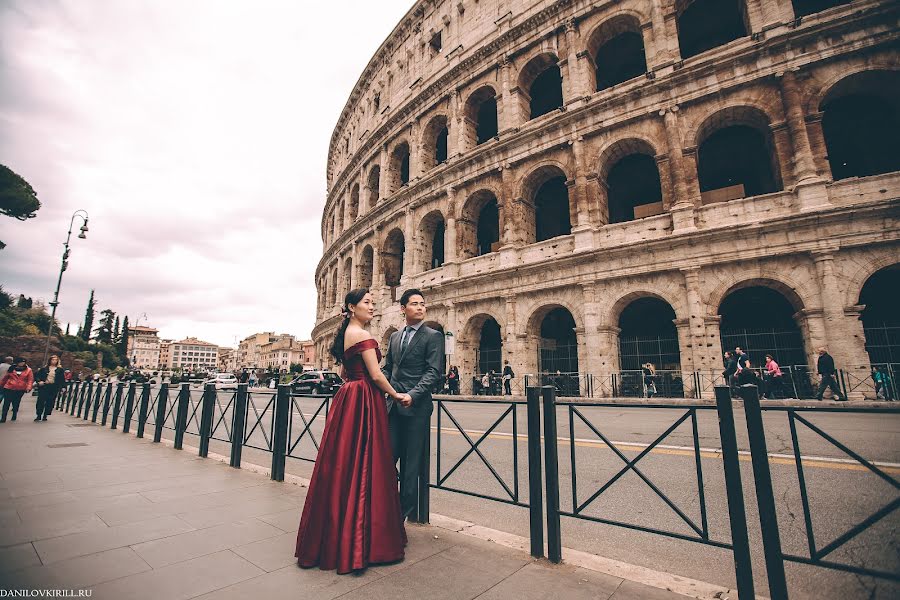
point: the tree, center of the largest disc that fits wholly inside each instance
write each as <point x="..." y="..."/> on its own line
<point x="78" y="335"/>
<point x="17" y="198"/>
<point x="115" y="336"/>
<point x="88" y="325"/>
<point x="67" y="329"/>
<point x="123" y="341"/>
<point x="105" y="330"/>
<point x="24" y="302"/>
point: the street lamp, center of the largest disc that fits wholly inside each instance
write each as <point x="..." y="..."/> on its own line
<point x="83" y="215"/>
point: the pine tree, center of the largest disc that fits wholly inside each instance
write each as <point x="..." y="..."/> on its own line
<point x="123" y="341"/>
<point x="105" y="329"/>
<point x="79" y="331"/>
<point x="115" y="335"/>
<point x="88" y="325"/>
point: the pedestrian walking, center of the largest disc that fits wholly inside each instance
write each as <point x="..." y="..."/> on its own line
<point x="508" y="375"/>
<point x="453" y="381"/>
<point x="649" y="375"/>
<point x="486" y="384"/>
<point x="882" y="380"/>
<point x="825" y="367"/>
<point x="49" y="379"/>
<point x="5" y="366"/>
<point x="772" y="378"/>
<point x="18" y="380"/>
<point x="731" y="367"/>
<point x="747" y="376"/>
<point x="742" y="358"/>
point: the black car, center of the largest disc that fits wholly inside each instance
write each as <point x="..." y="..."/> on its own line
<point x="316" y="382"/>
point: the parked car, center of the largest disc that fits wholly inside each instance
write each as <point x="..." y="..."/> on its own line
<point x="316" y="382"/>
<point x="223" y="381"/>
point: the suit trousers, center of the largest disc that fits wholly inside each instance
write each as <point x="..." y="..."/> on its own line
<point x="409" y="435"/>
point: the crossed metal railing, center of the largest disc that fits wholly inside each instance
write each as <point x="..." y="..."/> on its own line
<point x="269" y="422"/>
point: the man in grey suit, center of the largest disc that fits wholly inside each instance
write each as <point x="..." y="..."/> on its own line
<point x="414" y="363"/>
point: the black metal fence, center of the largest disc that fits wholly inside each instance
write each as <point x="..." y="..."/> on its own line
<point x="269" y="421"/>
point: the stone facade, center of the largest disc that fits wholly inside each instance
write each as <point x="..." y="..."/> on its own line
<point x="812" y="235"/>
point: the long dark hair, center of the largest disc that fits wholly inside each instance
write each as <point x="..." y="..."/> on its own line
<point x="352" y="297"/>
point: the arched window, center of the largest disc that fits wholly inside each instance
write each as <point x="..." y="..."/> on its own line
<point x="542" y="79"/>
<point x="348" y="272"/>
<point x="648" y="335"/>
<point x="353" y="207"/>
<point x="400" y="166"/>
<point x="489" y="347"/>
<point x="392" y="258"/>
<point x="478" y="230"/>
<point x="803" y="8"/>
<point x="431" y="241"/>
<point x="366" y="267"/>
<point x="736" y="156"/>
<point x="434" y="142"/>
<point x="634" y="189"/>
<point x="372" y="185"/>
<point x="707" y="24"/>
<point x="617" y="48"/>
<point x="481" y="115"/>
<point x="551" y="206"/>
<point x="760" y="320"/>
<point x="861" y="124"/>
<point x="558" y="347"/>
<point x="881" y="319"/>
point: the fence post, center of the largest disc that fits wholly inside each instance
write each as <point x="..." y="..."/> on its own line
<point x="117" y="405"/>
<point x="280" y="431"/>
<point x="142" y="409"/>
<point x="551" y="464"/>
<point x="129" y="407"/>
<point x="85" y="397"/>
<point x="206" y="417"/>
<point x="765" y="497"/>
<point x="238" y="424"/>
<point x="423" y="505"/>
<point x="535" y="497"/>
<point x="737" y="514"/>
<point x="79" y="392"/>
<point x="161" y="402"/>
<point x="70" y="389"/>
<point x="181" y="415"/>
<point x="95" y="402"/>
<point x="107" y="398"/>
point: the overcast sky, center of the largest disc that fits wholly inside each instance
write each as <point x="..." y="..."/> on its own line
<point x="195" y="134"/>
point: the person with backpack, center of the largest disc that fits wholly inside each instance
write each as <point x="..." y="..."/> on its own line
<point x="508" y="375"/>
<point x="15" y="383"/>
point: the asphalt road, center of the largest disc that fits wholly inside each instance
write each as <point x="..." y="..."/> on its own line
<point x="841" y="491"/>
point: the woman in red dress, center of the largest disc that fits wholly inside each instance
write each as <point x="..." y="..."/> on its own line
<point x="352" y="517"/>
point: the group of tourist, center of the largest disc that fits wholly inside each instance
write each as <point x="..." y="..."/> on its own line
<point x="739" y="371"/>
<point x="17" y="379"/>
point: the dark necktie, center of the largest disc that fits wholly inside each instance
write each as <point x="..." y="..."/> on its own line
<point x="407" y="333"/>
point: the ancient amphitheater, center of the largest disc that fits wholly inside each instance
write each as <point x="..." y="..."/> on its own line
<point x="585" y="186"/>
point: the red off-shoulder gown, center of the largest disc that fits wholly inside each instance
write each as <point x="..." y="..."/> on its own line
<point x="352" y="517"/>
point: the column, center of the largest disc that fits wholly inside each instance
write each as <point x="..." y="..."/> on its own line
<point x="593" y="363"/>
<point x="574" y="87"/>
<point x="665" y="180"/>
<point x="415" y="152"/>
<point x="818" y="148"/>
<point x="508" y="111"/>
<point x="383" y="178"/>
<point x="607" y="350"/>
<point x="585" y="210"/>
<point x="410" y="246"/>
<point x="683" y="209"/>
<point x="804" y="166"/>
<point x="506" y="206"/>
<point x="784" y="155"/>
<point x="455" y="140"/>
<point x="353" y="267"/>
<point x="844" y="332"/>
<point x="762" y="14"/>
<point x="696" y="311"/>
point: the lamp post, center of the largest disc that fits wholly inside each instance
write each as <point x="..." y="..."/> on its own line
<point x="83" y="215"/>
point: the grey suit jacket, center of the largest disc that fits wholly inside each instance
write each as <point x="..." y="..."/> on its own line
<point x="417" y="371"/>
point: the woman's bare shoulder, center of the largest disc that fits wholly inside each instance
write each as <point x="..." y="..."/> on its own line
<point x="355" y="335"/>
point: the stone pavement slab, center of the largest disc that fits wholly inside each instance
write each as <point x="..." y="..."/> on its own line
<point x="129" y="519"/>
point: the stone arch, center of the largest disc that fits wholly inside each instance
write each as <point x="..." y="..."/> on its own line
<point x="480" y="113"/>
<point x="799" y="297"/>
<point x="392" y="255"/>
<point x="856" y="281"/>
<point x="861" y="123"/>
<point x="478" y="227"/>
<point x="347" y="274"/>
<point x="736" y="155"/>
<point x="816" y="96"/>
<point x="365" y="267"/>
<point x="879" y="317"/>
<point x="540" y="85"/>
<point x="550" y="210"/>
<point x="647" y="333"/>
<point x="435" y="137"/>
<point x="373" y="185"/>
<point x="629" y="178"/>
<point x="615" y="309"/>
<point x="472" y="354"/>
<point x="431" y="238"/>
<point x="803" y="8"/>
<point x="706" y="24"/>
<point x="353" y="206"/>
<point x="386" y="338"/>
<point x="399" y="165"/>
<point x="615" y="50"/>
<point x="332" y="287"/>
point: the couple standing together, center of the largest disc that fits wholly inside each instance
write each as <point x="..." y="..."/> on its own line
<point x="354" y="515"/>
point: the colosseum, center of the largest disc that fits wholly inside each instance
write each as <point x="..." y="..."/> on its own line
<point x="582" y="187"/>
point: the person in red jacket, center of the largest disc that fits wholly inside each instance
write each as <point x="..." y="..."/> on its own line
<point x="15" y="383"/>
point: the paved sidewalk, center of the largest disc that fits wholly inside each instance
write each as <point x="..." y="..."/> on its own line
<point x="86" y="508"/>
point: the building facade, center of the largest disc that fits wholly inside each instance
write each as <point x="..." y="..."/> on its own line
<point x="191" y="354"/>
<point x="165" y="355"/>
<point x="143" y="347"/>
<point x="227" y="360"/>
<point x="281" y="353"/>
<point x="250" y="354"/>
<point x="585" y="187"/>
